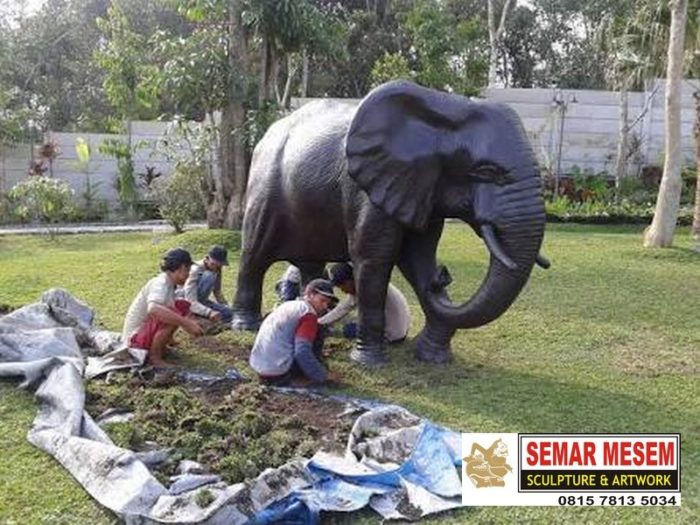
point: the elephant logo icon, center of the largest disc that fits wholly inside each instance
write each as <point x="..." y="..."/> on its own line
<point x="487" y="467"/>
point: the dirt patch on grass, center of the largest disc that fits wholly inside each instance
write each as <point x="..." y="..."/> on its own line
<point x="648" y="355"/>
<point x="235" y="429"/>
<point x="218" y="345"/>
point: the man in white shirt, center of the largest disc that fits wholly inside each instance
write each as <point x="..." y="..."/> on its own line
<point x="154" y="314"/>
<point x="397" y="317"/>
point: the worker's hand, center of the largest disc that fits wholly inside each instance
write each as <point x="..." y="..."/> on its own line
<point x="215" y="316"/>
<point x="192" y="327"/>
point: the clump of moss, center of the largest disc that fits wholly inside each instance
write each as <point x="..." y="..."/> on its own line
<point x="118" y="393"/>
<point x="235" y="431"/>
<point x="204" y="498"/>
<point x="123" y="435"/>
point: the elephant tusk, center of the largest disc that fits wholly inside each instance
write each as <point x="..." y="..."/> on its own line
<point x="495" y="247"/>
<point x="542" y="261"/>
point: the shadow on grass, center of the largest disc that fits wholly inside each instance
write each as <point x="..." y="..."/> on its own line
<point x="487" y="398"/>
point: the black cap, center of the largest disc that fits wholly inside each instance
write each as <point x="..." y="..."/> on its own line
<point x="177" y="257"/>
<point x="322" y="287"/>
<point x="340" y="273"/>
<point x="219" y="254"/>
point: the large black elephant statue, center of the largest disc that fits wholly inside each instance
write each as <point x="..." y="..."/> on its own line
<point x="373" y="184"/>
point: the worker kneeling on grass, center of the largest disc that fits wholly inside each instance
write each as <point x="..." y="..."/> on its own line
<point x="289" y="345"/>
<point x="155" y="314"/>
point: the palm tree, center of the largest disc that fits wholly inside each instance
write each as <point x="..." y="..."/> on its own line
<point x="632" y="41"/>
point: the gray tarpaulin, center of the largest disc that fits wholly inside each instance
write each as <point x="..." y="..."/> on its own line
<point x="400" y="465"/>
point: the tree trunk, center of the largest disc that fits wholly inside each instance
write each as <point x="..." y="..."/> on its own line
<point x="236" y="203"/>
<point x="215" y="190"/>
<point x="660" y="233"/>
<point x="621" y="161"/>
<point x="304" y="74"/>
<point x="696" y="211"/>
<point x="495" y="34"/>
<point x="274" y="80"/>
<point x="228" y="205"/>
<point x="264" y="91"/>
<point x="291" y="73"/>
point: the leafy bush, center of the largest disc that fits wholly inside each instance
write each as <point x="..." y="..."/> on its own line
<point x="591" y="186"/>
<point x="633" y="190"/>
<point x="199" y="241"/>
<point x="182" y="197"/>
<point x="43" y="199"/>
<point x="126" y="179"/>
<point x="8" y="213"/>
<point x="562" y="209"/>
<point x="92" y="207"/>
<point x="258" y="122"/>
<point x="391" y="66"/>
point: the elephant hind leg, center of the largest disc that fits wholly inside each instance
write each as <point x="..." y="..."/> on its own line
<point x="248" y="299"/>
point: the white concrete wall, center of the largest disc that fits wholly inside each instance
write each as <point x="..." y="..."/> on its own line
<point x="102" y="168"/>
<point x="591" y="124"/>
<point x="589" y="137"/>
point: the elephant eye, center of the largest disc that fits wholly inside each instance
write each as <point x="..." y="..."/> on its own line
<point x="490" y="173"/>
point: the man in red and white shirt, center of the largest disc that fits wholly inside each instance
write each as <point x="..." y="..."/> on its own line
<point x="288" y="343"/>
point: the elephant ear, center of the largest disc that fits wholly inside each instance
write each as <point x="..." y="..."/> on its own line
<point x="399" y="138"/>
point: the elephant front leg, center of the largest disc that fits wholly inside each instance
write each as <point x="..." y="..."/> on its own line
<point x="432" y="345"/>
<point x="418" y="264"/>
<point x="371" y="282"/>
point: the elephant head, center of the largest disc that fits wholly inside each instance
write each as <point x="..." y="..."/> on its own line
<point x="422" y="155"/>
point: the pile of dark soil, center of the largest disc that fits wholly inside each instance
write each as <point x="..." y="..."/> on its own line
<point x="235" y="429"/>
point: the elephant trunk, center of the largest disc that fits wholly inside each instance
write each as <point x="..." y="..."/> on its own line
<point x="514" y="241"/>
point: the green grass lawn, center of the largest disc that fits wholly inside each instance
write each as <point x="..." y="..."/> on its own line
<point x="607" y="340"/>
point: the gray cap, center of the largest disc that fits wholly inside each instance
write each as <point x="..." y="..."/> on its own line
<point x="323" y="287"/>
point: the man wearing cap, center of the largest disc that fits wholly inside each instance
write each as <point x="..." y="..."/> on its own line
<point x="205" y="279"/>
<point x="288" y="342"/>
<point x="154" y="314"/>
<point x="397" y="317"/>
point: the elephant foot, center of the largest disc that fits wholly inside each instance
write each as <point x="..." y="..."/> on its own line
<point x="369" y="357"/>
<point x="430" y="349"/>
<point x="245" y="322"/>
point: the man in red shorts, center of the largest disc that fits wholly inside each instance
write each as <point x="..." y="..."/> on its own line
<point x="154" y="314"/>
